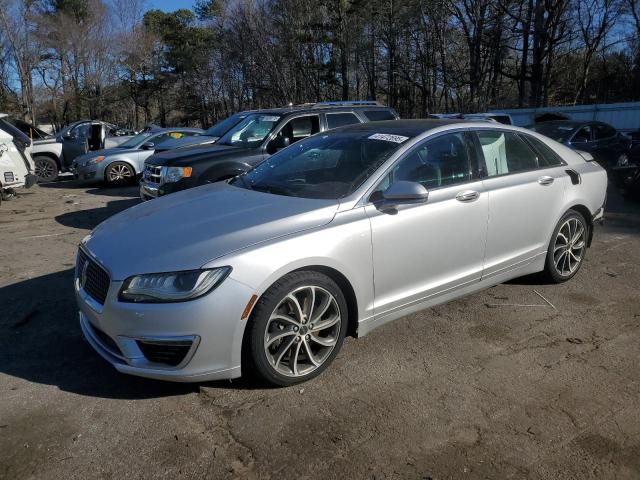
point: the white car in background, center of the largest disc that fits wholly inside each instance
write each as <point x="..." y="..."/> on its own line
<point x="16" y="166"/>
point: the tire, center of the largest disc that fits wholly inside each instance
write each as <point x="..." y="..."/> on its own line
<point x="46" y="169"/>
<point x="277" y="338"/>
<point x="119" y="173"/>
<point x="562" y="262"/>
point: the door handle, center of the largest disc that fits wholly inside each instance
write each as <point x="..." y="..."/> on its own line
<point x="546" y="180"/>
<point x="467" y="196"/>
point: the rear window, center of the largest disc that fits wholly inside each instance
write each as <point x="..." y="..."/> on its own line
<point x="378" y="115"/>
<point x="335" y="120"/>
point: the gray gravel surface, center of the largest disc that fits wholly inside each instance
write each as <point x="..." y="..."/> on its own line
<point x="464" y="390"/>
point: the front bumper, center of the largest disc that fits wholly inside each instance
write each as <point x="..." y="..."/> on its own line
<point x="87" y="173"/>
<point x="210" y="325"/>
<point x="148" y="190"/>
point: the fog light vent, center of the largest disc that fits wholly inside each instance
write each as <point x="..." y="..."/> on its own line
<point x="166" y="352"/>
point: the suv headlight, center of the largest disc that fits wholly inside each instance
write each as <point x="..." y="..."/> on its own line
<point x="173" y="286"/>
<point x="173" y="174"/>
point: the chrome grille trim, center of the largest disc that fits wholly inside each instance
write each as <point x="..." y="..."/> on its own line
<point x="152" y="174"/>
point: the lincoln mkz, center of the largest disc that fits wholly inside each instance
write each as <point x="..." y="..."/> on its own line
<point x="335" y="235"/>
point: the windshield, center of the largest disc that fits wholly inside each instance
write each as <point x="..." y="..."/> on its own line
<point x="328" y="166"/>
<point x="223" y="126"/>
<point x="136" y="140"/>
<point x="560" y="133"/>
<point x="251" y="131"/>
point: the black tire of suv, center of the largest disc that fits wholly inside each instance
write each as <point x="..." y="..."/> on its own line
<point x="49" y="165"/>
<point x="551" y="273"/>
<point x="255" y="362"/>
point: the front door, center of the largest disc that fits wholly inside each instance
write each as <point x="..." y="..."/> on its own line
<point x="421" y="251"/>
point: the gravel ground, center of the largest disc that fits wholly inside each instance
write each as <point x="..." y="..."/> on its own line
<point x="464" y="390"/>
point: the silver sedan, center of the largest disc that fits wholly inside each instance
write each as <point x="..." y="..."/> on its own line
<point x="333" y="236"/>
<point x="122" y="163"/>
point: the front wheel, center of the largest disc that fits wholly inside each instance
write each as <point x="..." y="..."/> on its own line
<point x="567" y="248"/>
<point x="296" y="328"/>
<point x="119" y="173"/>
<point x="46" y="169"/>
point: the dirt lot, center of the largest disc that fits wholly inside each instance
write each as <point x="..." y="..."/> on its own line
<point x="464" y="390"/>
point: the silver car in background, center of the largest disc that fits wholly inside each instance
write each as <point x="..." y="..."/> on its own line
<point x="121" y="164"/>
<point x="335" y="235"/>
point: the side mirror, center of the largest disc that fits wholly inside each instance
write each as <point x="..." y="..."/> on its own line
<point x="148" y="146"/>
<point x="404" y="192"/>
<point x="68" y="136"/>
<point x="278" y="143"/>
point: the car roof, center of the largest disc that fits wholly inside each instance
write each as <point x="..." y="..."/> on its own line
<point x="411" y="128"/>
<point x="156" y="129"/>
<point x="320" y="107"/>
<point x="571" y="123"/>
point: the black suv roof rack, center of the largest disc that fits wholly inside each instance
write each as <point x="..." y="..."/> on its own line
<point x="338" y="103"/>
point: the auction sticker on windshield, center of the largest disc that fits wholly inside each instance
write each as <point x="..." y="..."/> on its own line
<point x="269" y="118"/>
<point x="388" y="137"/>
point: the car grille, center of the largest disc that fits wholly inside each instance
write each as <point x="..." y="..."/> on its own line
<point x="9" y="177"/>
<point x="170" y="353"/>
<point x="152" y="174"/>
<point x="95" y="280"/>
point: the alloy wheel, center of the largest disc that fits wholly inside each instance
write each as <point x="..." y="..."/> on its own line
<point x="569" y="247"/>
<point x="302" y="331"/>
<point x="45" y="170"/>
<point x="120" y="173"/>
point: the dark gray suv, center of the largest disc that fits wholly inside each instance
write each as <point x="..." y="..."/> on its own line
<point x="258" y="135"/>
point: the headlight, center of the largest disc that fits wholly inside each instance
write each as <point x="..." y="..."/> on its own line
<point x="173" y="286"/>
<point x="173" y="174"/>
<point x="94" y="160"/>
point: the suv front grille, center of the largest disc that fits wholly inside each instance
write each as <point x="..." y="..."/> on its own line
<point x="93" y="279"/>
<point x="152" y="174"/>
<point x="9" y="177"/>
<point x="170" y="353"/>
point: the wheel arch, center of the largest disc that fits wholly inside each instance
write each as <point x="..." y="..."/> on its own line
<point x="586" y="213"/>
<point x="347" y="289"/>
<point x="50" y="155"/>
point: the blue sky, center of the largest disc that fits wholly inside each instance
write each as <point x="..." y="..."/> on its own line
<point x="170" y="5"/>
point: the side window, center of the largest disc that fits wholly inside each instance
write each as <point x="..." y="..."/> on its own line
<point x="440" y="162"/>
<point x="301" y="127"/>
<point x="377" y="115"/>
<point x="603" y="131"/>
<point x="505" y="152"/>
<point x="81" y="130"/>
<point x="335" y="120"/>
<point x="547" y="157"/>
<point x="583" y="135"/>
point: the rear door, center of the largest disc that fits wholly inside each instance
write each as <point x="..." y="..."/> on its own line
<point x="525" y="199"/>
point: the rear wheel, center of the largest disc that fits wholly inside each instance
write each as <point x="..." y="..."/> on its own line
<point x="567" y="248"/>
<point x="46" y="169"/>
<point x="296" y="329"/>
<point x="119" y="173"/>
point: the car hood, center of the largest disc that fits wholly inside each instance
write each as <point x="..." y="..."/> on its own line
<point x="188" y="229"/>
<point x="186" y="155"/>
<point x="185" y="142"/>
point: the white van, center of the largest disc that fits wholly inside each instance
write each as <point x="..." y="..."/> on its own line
<point x="16" y="166"/>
